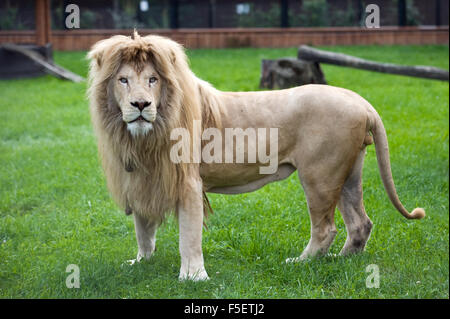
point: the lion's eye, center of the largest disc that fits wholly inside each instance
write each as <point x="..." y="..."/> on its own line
<point x="123" y="80"/>
<point x="152" y="80"/>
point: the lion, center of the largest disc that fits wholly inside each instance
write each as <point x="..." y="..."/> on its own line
<point x="141" y="88"/>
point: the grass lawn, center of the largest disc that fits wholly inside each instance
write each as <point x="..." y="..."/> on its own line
<point x="55" y="209"/>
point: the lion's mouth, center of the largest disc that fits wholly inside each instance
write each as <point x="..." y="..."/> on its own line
<point x="138" y="119"/>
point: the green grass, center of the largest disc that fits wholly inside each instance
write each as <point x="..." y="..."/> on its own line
<point x="55" y="209"/>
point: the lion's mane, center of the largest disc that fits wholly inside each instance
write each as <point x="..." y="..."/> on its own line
<point x="140" y="174"/>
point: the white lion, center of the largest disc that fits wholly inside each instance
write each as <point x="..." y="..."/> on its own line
<point x="141" y="88"/>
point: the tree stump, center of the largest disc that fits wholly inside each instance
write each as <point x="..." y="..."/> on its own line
<point x="289" y="72"/>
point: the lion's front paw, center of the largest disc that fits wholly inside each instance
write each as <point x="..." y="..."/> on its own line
<point x="297" y="259"/>
<point x="292" y="260"/>
<point x="199" y="275"/>
<point x="130" y="262"/>
<point x="140" y="256"/>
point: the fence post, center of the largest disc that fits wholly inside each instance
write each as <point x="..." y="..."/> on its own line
<point x="284" y="13"/>
<point x="401" y="12"/>
<point x="438" y="12"/>
<point x="173" y="14"/>
<point x="211" y="13"/>
<point x="43" y="23"/>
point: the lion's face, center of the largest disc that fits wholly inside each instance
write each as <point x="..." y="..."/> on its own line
<point x="137" y="93"/>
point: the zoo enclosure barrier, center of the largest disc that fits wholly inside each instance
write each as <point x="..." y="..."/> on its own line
<point x="224" y="24"/>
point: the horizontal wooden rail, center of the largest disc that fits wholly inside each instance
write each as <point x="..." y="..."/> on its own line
<point x="248" y="37"/>
<point x="315" y="55"/>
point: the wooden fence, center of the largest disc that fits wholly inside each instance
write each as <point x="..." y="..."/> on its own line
<point x="254" y="37"/>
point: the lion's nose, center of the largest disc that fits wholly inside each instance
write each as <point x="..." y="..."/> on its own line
<point x="140" y="104"/>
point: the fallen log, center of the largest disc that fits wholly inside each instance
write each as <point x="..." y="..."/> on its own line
<point x="48" y="66"/>
<point x="289" y="72"/>
<point x="311" y="54"/>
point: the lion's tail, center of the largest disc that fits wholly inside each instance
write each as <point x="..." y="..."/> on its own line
<point x="384" y="165"/>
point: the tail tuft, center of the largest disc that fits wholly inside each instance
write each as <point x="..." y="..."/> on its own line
<point x="417" y="213"/>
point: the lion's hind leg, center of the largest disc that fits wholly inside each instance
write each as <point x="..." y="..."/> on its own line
<point x="321" y="205"/>
<point x="357" y="223"/>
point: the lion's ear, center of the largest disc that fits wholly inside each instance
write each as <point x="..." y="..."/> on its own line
<point x="98" y="59"/>
<point x="107" y="49"/>
<point x="96" y="54"/>
<point x="173" y="57"/>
